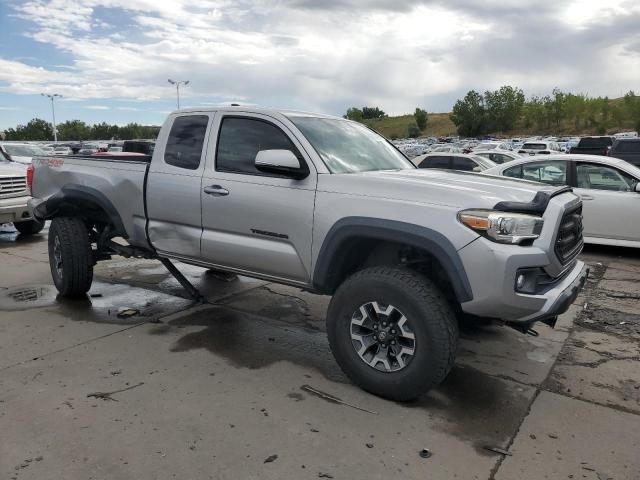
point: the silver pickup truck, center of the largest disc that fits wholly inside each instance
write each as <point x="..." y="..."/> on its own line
<point x="14" y="196"/>
<point x="327" y="205"/>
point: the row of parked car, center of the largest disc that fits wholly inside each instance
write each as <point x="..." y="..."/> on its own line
<point x="608" y="186"/>
<point x="24" y="152"/>
<point x="625" y="146"/>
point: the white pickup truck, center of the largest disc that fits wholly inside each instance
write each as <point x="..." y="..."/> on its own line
<point x="327" y="205"/>
<point x="14" y="196"/>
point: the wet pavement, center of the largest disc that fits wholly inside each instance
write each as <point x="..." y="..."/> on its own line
<point x="136" y="381"/>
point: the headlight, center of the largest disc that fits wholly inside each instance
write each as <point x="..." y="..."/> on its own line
<point x="502" y="227"/>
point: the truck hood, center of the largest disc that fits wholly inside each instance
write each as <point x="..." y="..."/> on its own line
<point x="21" y="159"/>
<point x="12" y="169"/>
<point x="441" y="187"/>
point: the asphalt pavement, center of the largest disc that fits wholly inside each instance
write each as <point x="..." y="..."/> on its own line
<point x="137" y="382"/>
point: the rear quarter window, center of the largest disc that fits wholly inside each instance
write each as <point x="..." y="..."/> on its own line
<point x="186" y="138"/>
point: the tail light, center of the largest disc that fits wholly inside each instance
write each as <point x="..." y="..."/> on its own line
<point x="30" y="172"/>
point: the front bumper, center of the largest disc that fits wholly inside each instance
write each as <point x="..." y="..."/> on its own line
<point x="564" y="297"/>
<point x="492" y="270"/>
<point x="14" y="210"/>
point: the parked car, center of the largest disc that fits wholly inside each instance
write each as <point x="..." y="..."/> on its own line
<point x="539" y="147"/>
<point x="593" y="146"/>
<point x="324" y="204"/>
<point x="62" y="150"/>
<point x="499" y="156"/>
<point x="14" y="196"/>
<point x="19" y="152"/>
<point x="456" y="161"/>
<point x="609" y="188"/>
<point x="627" y="149"/>
<point x="139" y="146"/>
<point x="503" y="146"/>
<point x="446" y="149"/>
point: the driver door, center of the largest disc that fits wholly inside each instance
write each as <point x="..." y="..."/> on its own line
<point x="253" y="221"/>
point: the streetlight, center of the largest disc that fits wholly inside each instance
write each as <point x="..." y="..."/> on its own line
<point x="53" y="113"/>
<point x="177" y="83"/>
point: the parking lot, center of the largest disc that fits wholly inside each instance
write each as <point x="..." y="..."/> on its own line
<point x="136" y="381"/>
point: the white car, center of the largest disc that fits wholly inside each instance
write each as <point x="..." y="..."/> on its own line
<point x="609" y="188"/>
<point x="20" y="152"/>
<point x="446" y="149"/>
<point x="502" y="146"/>
<point x="499" y="156"/>
<point x="453" y="161"/>
<point x="539" y="147"/>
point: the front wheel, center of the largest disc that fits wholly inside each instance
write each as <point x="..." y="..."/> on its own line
<point x="30" y="227"/>
<point x="392" y="332"/>
<point x="70" y="256"/>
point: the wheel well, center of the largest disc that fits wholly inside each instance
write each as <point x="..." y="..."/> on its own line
<point x="88" y="204"/>
<point x="359" y="253"/>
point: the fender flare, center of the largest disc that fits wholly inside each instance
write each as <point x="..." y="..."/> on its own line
<point x="75" y="195"/>
<point x="349" y="228"/>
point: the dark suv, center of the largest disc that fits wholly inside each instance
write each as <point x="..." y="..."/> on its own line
<point x="626" y="149"/>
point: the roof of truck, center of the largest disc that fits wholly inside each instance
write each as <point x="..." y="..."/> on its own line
<point x="252" y="109"/>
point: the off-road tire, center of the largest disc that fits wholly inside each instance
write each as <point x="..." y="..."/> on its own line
<point x="69" y="241"/>
<point x="431" y="318"/>
<point x="30" y="227"/>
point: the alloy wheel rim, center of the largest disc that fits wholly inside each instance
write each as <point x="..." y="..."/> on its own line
<point x="382" y="336"/>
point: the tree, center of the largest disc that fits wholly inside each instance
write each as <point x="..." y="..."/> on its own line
<point x="421" y="117"/>
<point x="413" y="131"/>
<point x="372" y="112"/>
<point x="469" y="115"/>
<point x="74" y="130"/>
<point x="355" y="114"/>
<point x="503" y="108"/>
<point x="36" y="129"/>
<point x="632" y="106"/>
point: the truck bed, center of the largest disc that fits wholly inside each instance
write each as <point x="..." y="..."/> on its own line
<point x="117" y="179"/>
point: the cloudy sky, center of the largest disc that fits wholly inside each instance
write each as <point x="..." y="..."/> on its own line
<point x="110" y="59"/>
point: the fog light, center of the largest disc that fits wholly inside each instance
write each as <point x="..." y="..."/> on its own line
<point x="520" y="282"/>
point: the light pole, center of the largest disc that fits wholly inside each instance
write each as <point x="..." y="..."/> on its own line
<point x="52" y="97"/>
<point x="177" y="83"/>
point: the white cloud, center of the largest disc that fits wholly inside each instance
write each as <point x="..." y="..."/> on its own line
<point x="96" y="107"/>
<point x="326" y="55"/>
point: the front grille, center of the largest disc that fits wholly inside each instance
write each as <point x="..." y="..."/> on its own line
<point x="569" y="239"/>
<point x="10" y="186"/>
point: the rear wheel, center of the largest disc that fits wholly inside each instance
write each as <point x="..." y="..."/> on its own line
<point x="392" y="332"/>
<point x="30" y="227"/>
<point x="70" y="256"/>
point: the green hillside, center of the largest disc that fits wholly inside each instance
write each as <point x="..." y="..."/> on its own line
<point x="439" y="125"/>
<point x="599" y="116"/>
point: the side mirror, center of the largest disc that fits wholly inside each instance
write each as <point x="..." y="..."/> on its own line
<point x="281" y="162"/>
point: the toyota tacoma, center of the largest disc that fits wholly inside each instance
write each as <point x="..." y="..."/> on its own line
<point x="327" y="205"/>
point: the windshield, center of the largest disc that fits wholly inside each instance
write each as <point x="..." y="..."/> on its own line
<point x="22" y="150"/>
<point x="595" y="142"/>
<point x="347" y="147"/>
<point x="534" y="146"/>
<point x="486" y="163"/>
<point x="486" y="146"/>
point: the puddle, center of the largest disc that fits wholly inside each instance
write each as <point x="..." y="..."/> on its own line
<point x="105" y="308"/>
<point x="477" y="407"/>
<point x="249" y="342"/>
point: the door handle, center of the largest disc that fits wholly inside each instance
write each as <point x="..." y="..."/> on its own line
<point x="586" y="197"/>
<point x="216" y="191"/>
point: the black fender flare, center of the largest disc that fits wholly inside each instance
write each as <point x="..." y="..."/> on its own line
<point x="333" y="250"/>
<point x="75" y="195"/>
